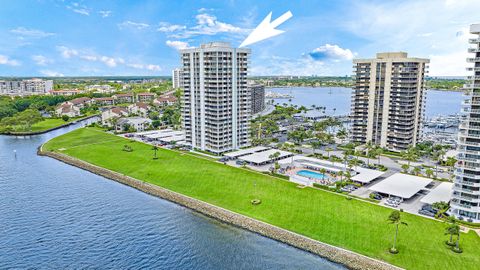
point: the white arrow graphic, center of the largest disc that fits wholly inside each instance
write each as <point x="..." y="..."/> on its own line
<point x="266" y="29"/>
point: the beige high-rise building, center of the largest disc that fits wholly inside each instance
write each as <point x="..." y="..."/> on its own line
<point x="176" y="75"/>
<point x="388" y="100"/>
<point x="216" y="104"/>
<point x="465" y="201"/>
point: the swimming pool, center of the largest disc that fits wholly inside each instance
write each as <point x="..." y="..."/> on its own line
<point x="312" y="174"/>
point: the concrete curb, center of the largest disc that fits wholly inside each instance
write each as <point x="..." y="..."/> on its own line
<point x="347" y="258"/>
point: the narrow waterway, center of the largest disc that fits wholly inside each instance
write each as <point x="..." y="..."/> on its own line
<point x="54" y="216"/>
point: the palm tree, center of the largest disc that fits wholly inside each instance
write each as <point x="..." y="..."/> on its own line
<point x="405" y="168"/>
<point x="323" y="172"/>
<point x="410" y="155"/>
<point x="340" y="173"/>
<point x="395" y="219"/>
<point x="155" y="149"/>
<point x="438" y="157"/>
<point x="451" y="229"/>
<point x="416" y="170"/>
<point x="315" y="145"/>
<point x="379" y="152"/>
<point x="429" y="172"/>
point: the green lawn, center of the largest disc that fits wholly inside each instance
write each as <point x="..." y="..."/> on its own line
<point x="49" y="123"/>
<point x="352" y="224"/>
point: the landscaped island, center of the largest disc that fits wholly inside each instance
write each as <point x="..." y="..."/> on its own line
<point x="330" y="218"/>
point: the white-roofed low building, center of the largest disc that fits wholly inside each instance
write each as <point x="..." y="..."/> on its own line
<point x="137" y="123"/>
<point x="401" y="185"/>
<point x="246" y="151"/>
<point x="265" y="157"/>
<point x="442" y="193"/>
<point x="365" y="175"/>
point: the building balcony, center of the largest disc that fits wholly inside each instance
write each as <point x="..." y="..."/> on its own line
<point x="468" y="183"/>
<point x="473" y="59"/>
<point x="473" y="40"/>
<point x="466" y="198"/>
<point x="461" y="189"/>
<point x="458" y="205"/>
<point x="460" y="173"/>
<point x="473" y="50"/>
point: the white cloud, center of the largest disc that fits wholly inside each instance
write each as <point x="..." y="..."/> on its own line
<point x="167" y="27"/>
<point x="78" y="8"/>
<point x="51" y="73"/>
<point x="105" y="13"/>
<point x="150" y="67"/>
<point x="108" y="61"/>
<point x="206" y="24"/>
<point x="209" y="25"/>
<point x="178" y="45"/>
<point x="5" y="60"/>
<point x="41" y="60"/>
<point x="33" y="33"/>
<point x="67" y="52"/>
<point x="427" y="28"/>
<point x="330" y="52"/>
<point x="135" y="25"/>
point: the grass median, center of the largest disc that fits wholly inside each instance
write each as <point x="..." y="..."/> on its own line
<point x="331" y="218"/>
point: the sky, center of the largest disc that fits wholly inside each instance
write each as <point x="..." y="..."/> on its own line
<point x="109" y="37"/>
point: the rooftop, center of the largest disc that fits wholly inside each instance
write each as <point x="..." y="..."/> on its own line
<point x="442" y="193"/>
<point x="263" y="157"/>
<point x="401" y="185"/>
<point x="246" y="151"/>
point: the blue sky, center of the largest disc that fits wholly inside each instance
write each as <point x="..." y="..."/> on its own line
<point x="91" y="38"/>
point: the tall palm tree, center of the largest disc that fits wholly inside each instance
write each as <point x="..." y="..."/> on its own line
<point x="323" y="172"/>
<point x="155" y="149"/>
<point x="395" y="219"/>
<point x="379" y="152"/>
<point x="451" y="229"/>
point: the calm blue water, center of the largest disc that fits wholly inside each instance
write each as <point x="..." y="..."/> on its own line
<point x="337" y="99"/>
<point x="311" y="174"/>
<point x="54" y="216"/>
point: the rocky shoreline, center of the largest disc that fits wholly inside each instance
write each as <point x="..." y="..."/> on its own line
<point x="347" y="258"/>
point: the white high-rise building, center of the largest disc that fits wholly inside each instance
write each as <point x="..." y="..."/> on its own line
<point x="176" y="75"/>
<point x="216" y="104"/>
<point x="388" y="100"/>
<point x="465" y="201"/>
<point x="26" y="87"/>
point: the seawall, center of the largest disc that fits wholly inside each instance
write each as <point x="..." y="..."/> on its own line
<point x="347" y="258"/>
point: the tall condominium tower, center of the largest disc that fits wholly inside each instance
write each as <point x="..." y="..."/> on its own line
<point x="466" y="191"/>
<point x="176" y="75"/>
<point x="216" y="101"/>
<point x="258" y="96"/>
<point x="388" y="100"/>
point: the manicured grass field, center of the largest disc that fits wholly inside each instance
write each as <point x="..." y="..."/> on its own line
<point x="351" y="224"/>
<point x="49" y="123"/>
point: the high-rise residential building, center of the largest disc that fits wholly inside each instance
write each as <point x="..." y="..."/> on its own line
<point x="216" y="103"/>
<point x="176" y="75"/>
<point x="465" y="200"/>
<point x="258" y="96"/>
<point x="388" y="100"/>
<point x="25" y="87"/>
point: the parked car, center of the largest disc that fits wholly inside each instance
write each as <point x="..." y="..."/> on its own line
<point x="426" y="213"/>
<point x="240" y="162"/>
<point x="376" y="196"/>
